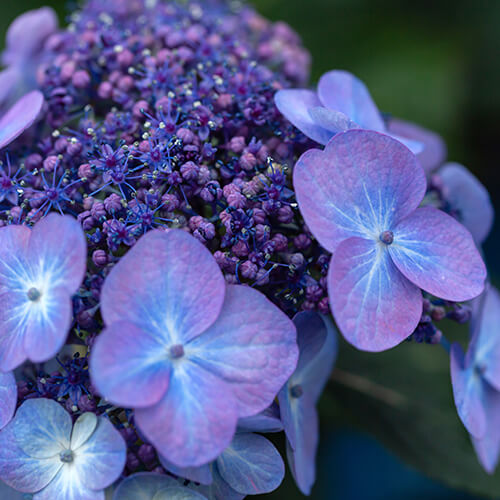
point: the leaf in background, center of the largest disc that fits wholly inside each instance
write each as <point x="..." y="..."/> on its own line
<point x="404" y="398"/>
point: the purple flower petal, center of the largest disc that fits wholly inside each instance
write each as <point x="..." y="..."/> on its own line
<point x="129" y="365"/>
<point x="178" y="493"/>
<point x="100" y="460"/>
<point x="19" y="470"/>
<point x="168" y="283"/>
<point x="218" y="489"/>
<point x="13" y="248"/>
<point x="201" y="474"/>
<point x="267" y="420"/>
<point x="42" y="428"/>
<point x="143" y="486"/>
<point x="357" y="186"/>
<point x="438" y="254"/>
<point x="83" y="428"/>
<point x="302" y="459"/>
<point x="342" y="91"/>
<point x="488" y="447"/>
<point x="9" y="80"/>
<point x="252" y="346"/>
<point x="11" y="333"/>
<point x="67" y="484"/>
<point x="201" y="413"/>
<point x="8" y="398"/>
<point x="46" y="324"/>
<point x="485" y="343"/>
<point x="469" y="393"/>
<point x="20" y="117"/>
<point x="27" y="33"/>
<point x="334" y="121"/>
<point x="469" y="198"/>
<point x="251" y="465"/>
<point x="295" y="104"/>
<point x="57" y="251"/>
<point x="434" y="149"/>
<point x="374" y="305"/>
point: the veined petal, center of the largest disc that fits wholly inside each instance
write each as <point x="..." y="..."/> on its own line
<point x="266" y="421"/>
<point x="342" y="91"/>
<point x="218" y="489"/>
<point x="469" y="393"/>
<point x="434" y="150"/>
<point x="67" y="484"/>
<point x="21" y="471"/>
<point x="201" y="413"/>
<point x="100" y="460"/>
<point x="20" y="117"/>
<point x="252" y="346"/>
<point x="47" y="323"/>
<point x="168" y="283"/>
<point x="14" y="270"/>
<point x="360" y="185"/>
<point x="334" y="121"/>
<point x="469" y="198"/>
<point x="143" y="486"/>
<point x="436" y="253"/>
<point x="251" y="465"/>
<point x="12" y="330"/>
<point x="57" y="253"/>
<point x="42" y="428"/>
<point x="178" y="493"/>
<point x="295" y="105"/>
<point x="201" y="474"/>
<point x="83" y="428"/>
<point x="129" y="366"/>
<point x="374" y="305"/>
<point x="8" y="398"/>
<point x="302" y="458"/>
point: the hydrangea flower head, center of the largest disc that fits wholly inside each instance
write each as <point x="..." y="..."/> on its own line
<point x="468" y="198"/>
<point x="40" y="270"/>
<point x="476" y="380"/>
<point x="341" y="103"/>
<point x="360" y="198"/>
<point x="182" y="347"/>
<point x="317" y="341"/>
<point x="151" y="486"/>
<point x="42" y="452"/>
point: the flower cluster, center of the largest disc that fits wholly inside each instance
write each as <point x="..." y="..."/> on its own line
<point x="172" y="245"/>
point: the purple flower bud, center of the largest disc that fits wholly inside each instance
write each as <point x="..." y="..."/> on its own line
<point x="112" y="203"/>
<point x="147" y="454"/>
<point x="81" y="79"/>
<point x="50" y="163"/>
<point x="248" y="270"/>
<point x="100" y="258"/>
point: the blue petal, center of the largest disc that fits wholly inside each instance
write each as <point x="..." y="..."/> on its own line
<point x="143" y="486"/>
<point x="100" y="460"/>
<point x="19" y="470"/>
<point x="202" y="474"/>
<point x="42" y="428"/>
<point x="8" y="398"/>
<point x="469" y="198"/>
<point x="251" y="465"/>
<point x="178" y="493"/>
<point x="218" y="489"/>
<point x="267" y="420"/>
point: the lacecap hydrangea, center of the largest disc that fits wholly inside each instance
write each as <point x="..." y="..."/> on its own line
<point x="174" y="240"/>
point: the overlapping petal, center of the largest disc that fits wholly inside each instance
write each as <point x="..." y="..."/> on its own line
<point x="295" y="105"/>
<point x="143" y="486"/>
<point x="360" y="185"/>
<point x="267" y="420"/>
<point x="342" y="91"/>
<point x="14" y="270"/>
<point x="42" y="428"/>
<point x="99" y="461"/>
<point x="21" y="471"/>
<point x="252" y="346"/>
<point x="201" y="474"/>
<point x="374" y="305"/>
<point x="469" y="198"/>
<point x="8" y="398"/>
<point x="438" y="254"/>
<point x="251" y="465"/>
<point x="434" y="151"/>
<point x="201" y="413"/>
<point x="20" y="117"/>
<point x="129" y="366"/>
<point x="179" y="302"/>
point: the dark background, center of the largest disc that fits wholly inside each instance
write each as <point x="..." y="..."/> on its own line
<point x="434" y="62"/>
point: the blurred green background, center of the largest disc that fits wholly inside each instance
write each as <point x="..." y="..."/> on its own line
<point x="435" y="62"/>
